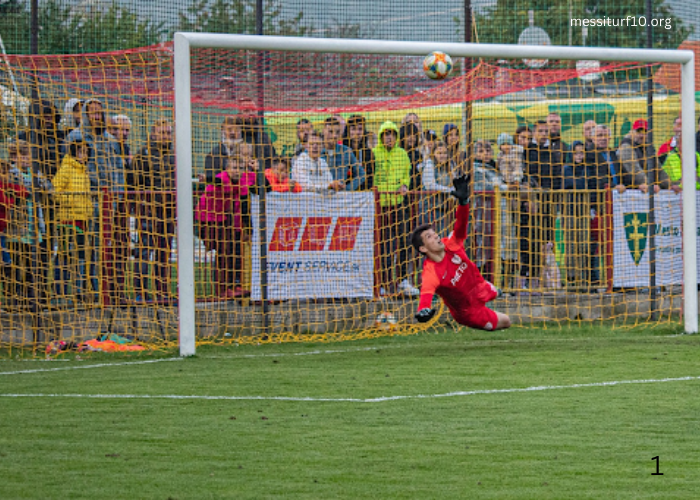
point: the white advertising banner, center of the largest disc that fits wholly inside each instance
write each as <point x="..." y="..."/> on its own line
<point x="318" y="245"/>
<point x="631" y="233"/>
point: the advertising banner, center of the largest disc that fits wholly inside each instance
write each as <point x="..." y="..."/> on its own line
<point x="631" y="250"/>
<point x="318" y="245"/>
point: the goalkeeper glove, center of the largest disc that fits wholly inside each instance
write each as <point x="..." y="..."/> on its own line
<point x="424" y="315"/>
<point x="461" y="190"/>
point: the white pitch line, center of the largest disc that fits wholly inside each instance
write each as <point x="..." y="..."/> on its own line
<point x="382" y="399"/>
<point x="85" y="367"/>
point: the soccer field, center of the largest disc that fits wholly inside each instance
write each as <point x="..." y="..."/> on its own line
<point x="579" y="412"/>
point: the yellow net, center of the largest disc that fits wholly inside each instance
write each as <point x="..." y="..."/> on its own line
<point x="561" y="163"/>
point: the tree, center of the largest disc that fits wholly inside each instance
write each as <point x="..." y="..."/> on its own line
<point x="64" y="29"/>
<point x="14" y="26"/>
<point x="238" y="16"/>
<point x="10" y="7"/>
<point x="504" y="22"/>
<point x="99" y="28"/>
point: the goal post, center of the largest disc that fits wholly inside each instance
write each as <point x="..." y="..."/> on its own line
<point x="184" y="42"/>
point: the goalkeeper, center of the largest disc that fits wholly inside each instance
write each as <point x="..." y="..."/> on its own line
<point x="448" y="272"/>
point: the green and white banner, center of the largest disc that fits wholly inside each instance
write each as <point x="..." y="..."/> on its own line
<point x="631" y="249"/>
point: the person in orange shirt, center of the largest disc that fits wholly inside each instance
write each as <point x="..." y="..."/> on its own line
<point x="278" y="176"/>
<point x="448" y="272"/>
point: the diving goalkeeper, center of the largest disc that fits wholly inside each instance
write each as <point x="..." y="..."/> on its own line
<point x="448" y="272"/>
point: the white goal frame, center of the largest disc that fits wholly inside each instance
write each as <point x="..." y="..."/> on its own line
<point x="183" y="130"/>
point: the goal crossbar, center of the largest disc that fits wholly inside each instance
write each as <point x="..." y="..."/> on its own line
<point x="183" y="42"/>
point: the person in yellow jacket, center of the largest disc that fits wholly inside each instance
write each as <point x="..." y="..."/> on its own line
<point x="73" y="214"/>
<point x="392" y="176"/>
<point x="674" y="169"/>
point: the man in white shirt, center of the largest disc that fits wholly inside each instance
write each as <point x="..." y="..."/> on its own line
<point x="311" y="171"/>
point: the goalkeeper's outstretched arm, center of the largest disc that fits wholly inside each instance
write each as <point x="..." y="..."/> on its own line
<point x="461" y="192"/>
<point x="427" y="291"/>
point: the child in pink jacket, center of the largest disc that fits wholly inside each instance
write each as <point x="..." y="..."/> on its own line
<point x="224" y="224"/>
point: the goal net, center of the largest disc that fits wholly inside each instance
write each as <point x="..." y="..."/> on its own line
<point x="287" y="214"/>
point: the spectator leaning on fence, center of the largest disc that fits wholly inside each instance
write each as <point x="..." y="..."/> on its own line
<point x="340" y="159"/>
<point x="278" y="176"/>
<point x="638" y="159"/>
<point x="393" y="175"/>
<point x="311" y="170"/>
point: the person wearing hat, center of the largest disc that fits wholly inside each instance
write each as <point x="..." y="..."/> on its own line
<point x="638" y="159"/>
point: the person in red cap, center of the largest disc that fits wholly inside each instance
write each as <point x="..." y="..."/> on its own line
<point x="638" y="158"/>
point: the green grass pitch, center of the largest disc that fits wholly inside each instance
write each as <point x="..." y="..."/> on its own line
<point x="518" y="414"/>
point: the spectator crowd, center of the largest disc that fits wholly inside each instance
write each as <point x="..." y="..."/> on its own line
<point x="72" y="185"/>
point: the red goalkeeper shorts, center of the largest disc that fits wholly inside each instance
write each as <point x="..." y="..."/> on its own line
<point x="476" y="314"/>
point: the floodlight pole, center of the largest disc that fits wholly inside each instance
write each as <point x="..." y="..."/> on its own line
<point x="183" y="131"/>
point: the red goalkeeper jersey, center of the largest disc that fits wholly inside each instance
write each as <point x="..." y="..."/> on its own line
<point x="455" y="276"/>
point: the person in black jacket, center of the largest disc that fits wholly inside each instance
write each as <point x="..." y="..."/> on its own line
<point x="45" y="140"/>
<point x="215" y="161"/>
<point x="154" y="174"/>
<point x="253" y="132"/>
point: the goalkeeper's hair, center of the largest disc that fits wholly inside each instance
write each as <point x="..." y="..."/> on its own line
<point x="417" y="236"/>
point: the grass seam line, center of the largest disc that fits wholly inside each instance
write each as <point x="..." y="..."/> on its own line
<point x="85" y="367"/>
<point x="381" y="399"/>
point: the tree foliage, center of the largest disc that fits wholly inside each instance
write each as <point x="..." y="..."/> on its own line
<point x="238" y="16"/>
<point x="10" y="7"/>
<point x="504" y="22"/>
<point x="64" y="29"/>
